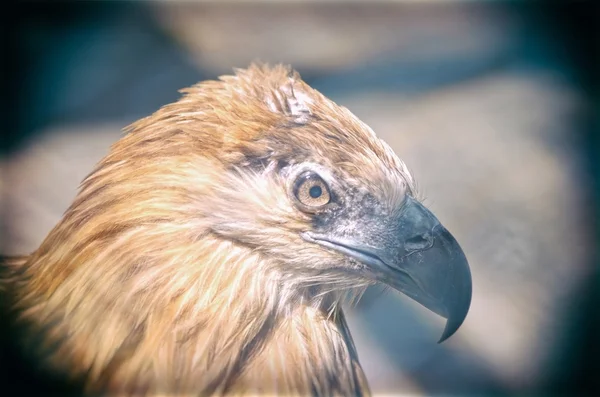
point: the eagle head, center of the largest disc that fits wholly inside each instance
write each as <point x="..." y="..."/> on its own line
<point x="250" y="196"/>
<point x="309" y="186"/>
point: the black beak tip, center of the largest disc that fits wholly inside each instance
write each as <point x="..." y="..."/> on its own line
<point x="450" y="329"/>
<point x="445" y="336"/>
<point x="459" y="306"/>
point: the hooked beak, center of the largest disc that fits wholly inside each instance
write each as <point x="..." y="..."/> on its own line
<point x="419" y="258"/>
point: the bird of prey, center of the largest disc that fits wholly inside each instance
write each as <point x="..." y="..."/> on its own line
<point x="210" y="251"/>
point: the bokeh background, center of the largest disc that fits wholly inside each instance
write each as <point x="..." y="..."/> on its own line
<point x="491" y="105"/>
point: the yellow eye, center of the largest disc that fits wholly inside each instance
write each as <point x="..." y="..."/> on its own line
<point x="311" y="190"/>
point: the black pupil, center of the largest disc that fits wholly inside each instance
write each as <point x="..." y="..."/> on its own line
<point x="315" y="191"/>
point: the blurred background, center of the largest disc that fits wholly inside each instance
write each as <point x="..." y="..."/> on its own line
<point x="491" y="105"/>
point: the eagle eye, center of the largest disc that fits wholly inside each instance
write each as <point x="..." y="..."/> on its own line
<point x="311" y="190"/>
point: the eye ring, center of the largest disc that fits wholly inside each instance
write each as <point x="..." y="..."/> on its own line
<point x="311" y="190"/>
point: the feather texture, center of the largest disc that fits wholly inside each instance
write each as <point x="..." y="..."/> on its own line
<point x="179" y="269"/>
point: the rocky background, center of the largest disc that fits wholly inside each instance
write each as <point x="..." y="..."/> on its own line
<point x="486" y="103"/>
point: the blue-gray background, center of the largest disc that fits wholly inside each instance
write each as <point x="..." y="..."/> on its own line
<point x="490" y="104"/>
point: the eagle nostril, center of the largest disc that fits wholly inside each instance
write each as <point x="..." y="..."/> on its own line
<point x="420" y="242"/>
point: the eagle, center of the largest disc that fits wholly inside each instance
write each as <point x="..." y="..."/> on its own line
<point x="211" y="250"/>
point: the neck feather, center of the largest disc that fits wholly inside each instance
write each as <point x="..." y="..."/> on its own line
<point x="220" y="321"/>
